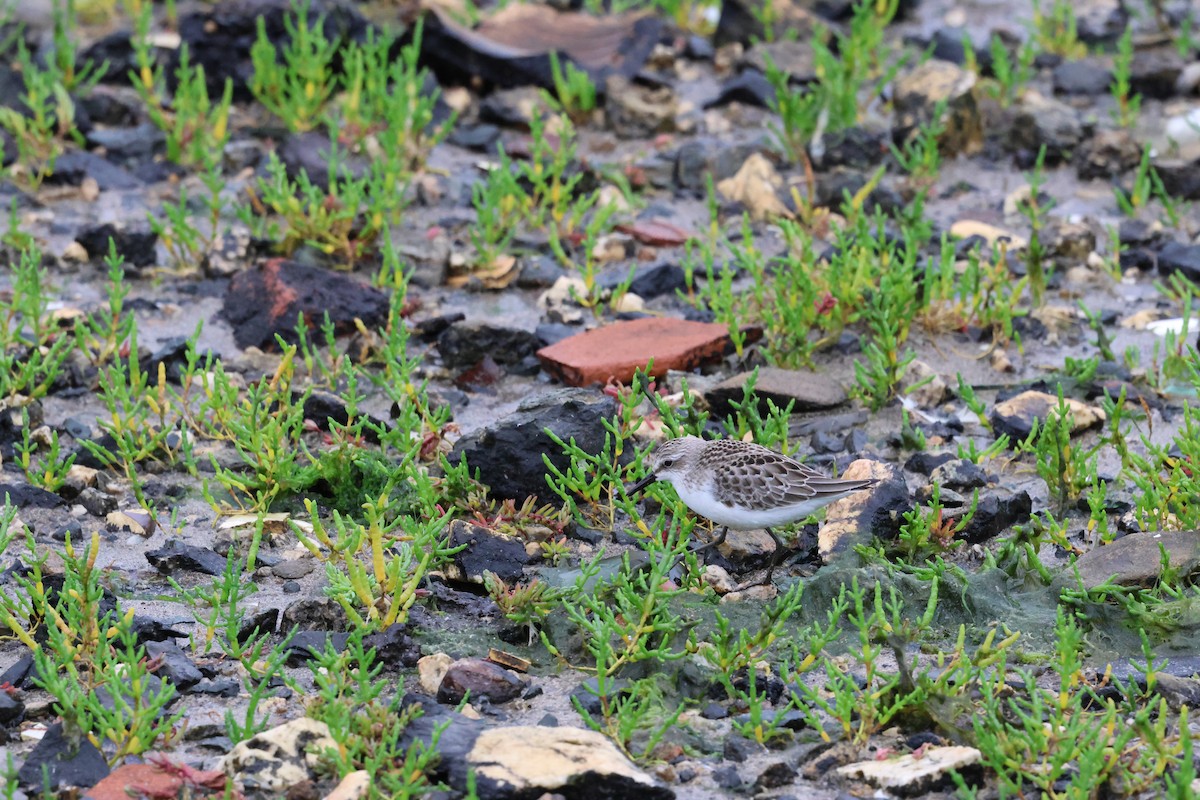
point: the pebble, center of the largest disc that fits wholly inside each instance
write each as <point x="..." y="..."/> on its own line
<point x="295" y="568"/>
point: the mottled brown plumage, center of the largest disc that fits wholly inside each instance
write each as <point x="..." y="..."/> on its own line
<point x="742" y="485"/>
<point x="750" y="476"/>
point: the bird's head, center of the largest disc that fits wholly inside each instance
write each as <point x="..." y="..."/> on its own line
<point x="670" y="460"/>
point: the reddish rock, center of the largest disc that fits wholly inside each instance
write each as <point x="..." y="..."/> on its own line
<point x="265" y="301"/>
<point x="616" y="351"/>
<point x="656" y="232"/>
<point x="479" y="679"/>
<point x="136" y="780"/>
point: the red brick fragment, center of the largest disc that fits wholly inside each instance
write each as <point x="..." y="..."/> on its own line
<point x="616" y="351"/>
<point x="136" y="780"/>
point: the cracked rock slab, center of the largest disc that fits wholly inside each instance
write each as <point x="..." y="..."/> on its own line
<point x="527" y="761"/>
<point x="913" y="773"/>
<point x="805" y="390"/>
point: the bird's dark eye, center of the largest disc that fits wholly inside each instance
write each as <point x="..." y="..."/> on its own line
<point x="670" y="462"/>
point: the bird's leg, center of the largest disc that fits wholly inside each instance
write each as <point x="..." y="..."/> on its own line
<point x="776" y="557"/>
<point x="716" y="542"/>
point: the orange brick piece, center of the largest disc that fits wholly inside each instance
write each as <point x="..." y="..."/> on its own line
<point x="136" y="780"/>
<point x="616" y="351"/>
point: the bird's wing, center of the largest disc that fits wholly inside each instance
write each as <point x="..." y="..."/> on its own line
<point x="763" y="479"/>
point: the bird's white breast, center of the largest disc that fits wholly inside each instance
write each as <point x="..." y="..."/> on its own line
<point x="700" y="499"/>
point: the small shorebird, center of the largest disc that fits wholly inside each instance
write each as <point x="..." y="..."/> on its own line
<point x="743" y="486"/>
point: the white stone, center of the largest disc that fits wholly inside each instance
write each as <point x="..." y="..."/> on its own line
<point x="912" y="772"/>
<point x="279" y="758"/>
<point x="431" y="670"/>
<point x="524" y="758"/>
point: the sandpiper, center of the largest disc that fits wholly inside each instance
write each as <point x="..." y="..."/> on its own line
<point x="742" y="485"/>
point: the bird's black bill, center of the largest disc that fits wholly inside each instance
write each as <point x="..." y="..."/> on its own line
<point x="636" y="488"/>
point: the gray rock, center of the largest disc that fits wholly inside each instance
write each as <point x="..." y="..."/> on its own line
<point x="428" y="260"/>
<point x="918" y="93"/>
<point x="1177" y="691"/>
<point x="175" y="556"/>
<point x="1100" y="21"/>
<point x="727" y="777"/>
<point x="135" y="245"/>
<point x="1134" y="231"/>
<point x="1108" y="154"/>
<point x="1181" y="258"/>
<point x="1085" y="76"/>
<point x="72" y="167"/>
<point x="139" y="142"/>
<point x="11" y="709"/>
<point x="151" y="687"/>
<point x="550" y="332"/>
<point x="639" y="112"/>
<point x="994" y="513"/>
<point x="697" y="160"/>
<point x="657" y="280"/>
<point x="1135" y="560"/>
<point x="826" y="442"/>
<point x="658" y="170"/>
<point x="947" y="497"/>
<point x="857" y="148"/>
<point x="1180" y="177"/>
<point x="509" y="453"/>
<point x="59" y="761"/>
<point x="294" y="568"/>
<point x="1154" y="73"/>
<point x="539" y="272"/>
<point x="779" y="386"/>
<point x="792" y="56"/>
<point x="746" y="550"/>
<point x="1068" y="242"/>
<point x="96" y="502"/>
<point x="321" y="613"/>
<point x="175" y="667"/>
<point x="481" y="138"/>
<point x="304" y="646"/>
<point x="466" y="343"/>
<point x="394" y="645"/>
<point x="832" y="189"/>
<point x="1043" y="121"/>
<point x="486" y="551"/>
<point x="22" y="495"/>
<point x="749" y="87"/>
<point x="960" y="474"/>
<point x="309" y="152"/>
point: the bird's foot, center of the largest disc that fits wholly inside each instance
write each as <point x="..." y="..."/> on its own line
<point x="713" y="543"/>
<point x="777" y="557"/>
<point x="765" y="580"/>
